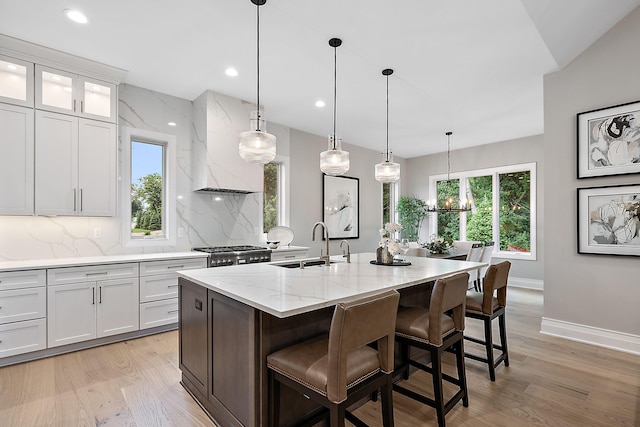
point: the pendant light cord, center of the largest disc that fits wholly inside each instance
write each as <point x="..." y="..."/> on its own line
<point x="387" y="118"/>
<point x="448" y="157"/>
<point x="335" y="92"/>
<point x="258" y="64"/>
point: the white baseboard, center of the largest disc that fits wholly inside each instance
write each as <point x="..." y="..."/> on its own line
<point x="587" y="334"/>
<point x="521" y="282"/>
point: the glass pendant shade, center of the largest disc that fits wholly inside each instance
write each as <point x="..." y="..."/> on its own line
<point x="257" y="146"/>
<point x="387" y="172"/>
<point x="334" y="161"/>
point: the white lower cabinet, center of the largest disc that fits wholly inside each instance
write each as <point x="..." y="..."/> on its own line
<point x="23" y="311"/>
<point x="158" y="313"/>
<point x="89" y="308"/>
<point x="23" y="337"/>
<point x="159" y="290"/>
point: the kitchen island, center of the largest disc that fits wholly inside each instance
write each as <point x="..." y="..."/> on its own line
<point x="231" y="318"/>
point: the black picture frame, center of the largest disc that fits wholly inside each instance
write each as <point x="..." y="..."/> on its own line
<point x="608" y="141"/>
<point x="609" y="220"/>
<point x="341" y="206"/>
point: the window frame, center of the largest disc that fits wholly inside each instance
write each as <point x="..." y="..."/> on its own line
<point x="495" y="172"/>
<point x="169" y="187"/>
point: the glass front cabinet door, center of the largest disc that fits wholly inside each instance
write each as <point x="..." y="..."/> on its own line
<point x="67" y="93"/>
<point x="16" y="81"/>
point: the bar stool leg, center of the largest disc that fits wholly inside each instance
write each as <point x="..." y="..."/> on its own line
<point x="438" y="392"/>
<point x="387" y="403"/>
<point x="462" y="376"/>
<point x="488" y="340"/>
<point x="274" y="401"/>
<point x="503" y="338"/>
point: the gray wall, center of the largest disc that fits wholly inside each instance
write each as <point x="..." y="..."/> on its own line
<point x="597" y="291"/>
<point x="306" y="192"/>
<point x="522" y="150"/>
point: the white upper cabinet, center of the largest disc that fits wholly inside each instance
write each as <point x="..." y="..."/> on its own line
<point x="16" y="81"/>
<point x="75" y="166"/>
<point x="68" y="93"/>
<point x="16" y="160"/>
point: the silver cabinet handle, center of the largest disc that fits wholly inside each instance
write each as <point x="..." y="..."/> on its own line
<point x="168" y="286"/>
<point x="74" y="199"/>
<point x="172" y="311"/>
<point x="174" y="267"/>
<point x="82" y="106"/>
<point x="81" y="200"/>
<point x="100" y="300"/>
<point x="93" y="295"/>
<point x="74" y="105"/>
<point x="102" y="273"/>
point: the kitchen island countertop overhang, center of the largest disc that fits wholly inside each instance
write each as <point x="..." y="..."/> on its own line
<point x="284" y="292"/>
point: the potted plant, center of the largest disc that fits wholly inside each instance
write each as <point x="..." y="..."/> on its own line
<point x="411" y="212"/>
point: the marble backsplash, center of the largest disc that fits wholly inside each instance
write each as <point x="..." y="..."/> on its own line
<point x="205" y="219"/>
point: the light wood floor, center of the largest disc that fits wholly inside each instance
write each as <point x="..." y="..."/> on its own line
<point x="551" y="382"/>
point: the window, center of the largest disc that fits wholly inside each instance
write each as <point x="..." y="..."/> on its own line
<point x="271" y="206"/>
<point x="503" y="208"/>
<point x="389" y="201"/>
<point x="148" y="188"/>
<point x="275" y="196"/>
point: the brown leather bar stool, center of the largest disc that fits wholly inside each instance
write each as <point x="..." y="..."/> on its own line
<point x="436" y="329"/>
<point x="486" y="307"/>
<point x="339" y="369"/>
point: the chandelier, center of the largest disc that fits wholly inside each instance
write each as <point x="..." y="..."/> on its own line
<point x="334" y="161"/>
<point x="450" y="204"/>
<point x="387" y="171"/>
<point x="257" y="146"/>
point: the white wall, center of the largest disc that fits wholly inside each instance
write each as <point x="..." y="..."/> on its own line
<point x="588" y="297"/>
<point x="523" y="150"/>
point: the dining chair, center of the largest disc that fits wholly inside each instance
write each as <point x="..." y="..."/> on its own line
<point x="420" y="252"/>
<point x="487" y="254"/>
<point x="464" y="245"/>
<point x="339" y="369"/>
<point x="486" y="306"/>
<point x="474" y="255"/>
<point x="436" y="329"/>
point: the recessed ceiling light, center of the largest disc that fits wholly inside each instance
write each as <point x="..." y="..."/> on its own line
<point x="172" y="123"/>
<point x="76" y="16"/>
<point x="320" y="104"/>
<point x="231" y="72"/>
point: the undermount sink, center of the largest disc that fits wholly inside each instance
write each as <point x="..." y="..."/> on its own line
<point x="307" y="263"/>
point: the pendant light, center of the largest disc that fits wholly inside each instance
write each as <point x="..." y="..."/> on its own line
<point x="387" y="171"/>
<point x="257" y="146"/>
<point x="334" y="161"/>
<point x="451" y="204"/>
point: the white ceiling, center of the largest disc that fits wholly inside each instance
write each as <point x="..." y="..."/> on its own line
<point x="472" y="67"/>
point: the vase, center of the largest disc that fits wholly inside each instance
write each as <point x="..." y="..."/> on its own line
<point x="383" y="256"/>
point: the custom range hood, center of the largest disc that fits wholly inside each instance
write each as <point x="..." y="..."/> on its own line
<point x="216" y="164"/>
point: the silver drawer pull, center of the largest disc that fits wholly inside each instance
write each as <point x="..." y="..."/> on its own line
<point x="289" y="256"/>
<point x="173" y="267"/>
<point x="172" y="311"/>
<point x="172" y="286"/>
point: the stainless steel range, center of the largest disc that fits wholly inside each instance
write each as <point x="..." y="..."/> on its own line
<point x="232" y="255"/>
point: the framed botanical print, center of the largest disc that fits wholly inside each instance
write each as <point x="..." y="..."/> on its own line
<point x="609" y="141"/>
<point x="609" y="220"/>
<point x="340" y="206"/>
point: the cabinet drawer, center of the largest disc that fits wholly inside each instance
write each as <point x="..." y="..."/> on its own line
<point x="22" y="279"/>
<point x="154" y="288"/>
<point x="148" y="268"/>
<point x="92" y="273"/>
<point x="158" y="313"/>
<point x="23" y="304"/>
<point x="23" y="337"/>
<point x="282" y="256"/>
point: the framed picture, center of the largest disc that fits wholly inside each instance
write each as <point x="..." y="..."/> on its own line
<point x="609" y="141"/>
<point x="340" y="206"/>
<point x="609" y="220"/>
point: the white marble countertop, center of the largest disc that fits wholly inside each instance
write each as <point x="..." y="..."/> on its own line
<point x="107" y="259"/>
<point x="284" y="292"/>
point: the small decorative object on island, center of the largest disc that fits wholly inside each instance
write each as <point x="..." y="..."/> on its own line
<point x="388" y="246"/>
<point x="439" y="244"/>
